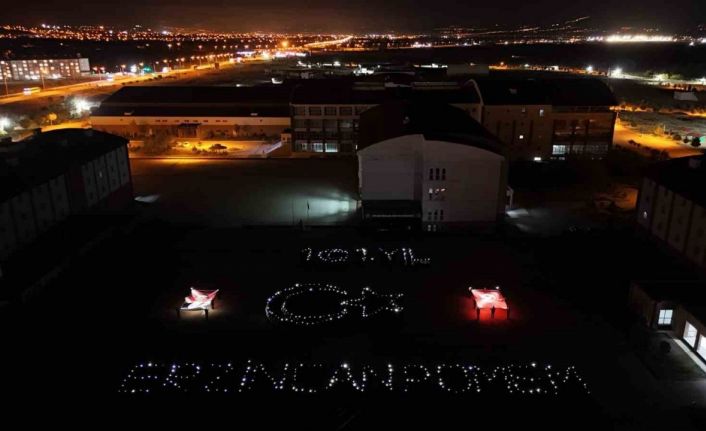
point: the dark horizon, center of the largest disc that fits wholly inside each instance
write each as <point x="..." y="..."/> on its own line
<point x="360" y="16"/>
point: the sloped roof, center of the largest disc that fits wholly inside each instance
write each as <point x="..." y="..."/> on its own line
<point x="43" y="156"/>
<point x="191" y="111"/>
<point x="366" y="92"/>
<point x="435" y="121"/>
<point x="546" y="91"/>
<point x="178" y="95"/>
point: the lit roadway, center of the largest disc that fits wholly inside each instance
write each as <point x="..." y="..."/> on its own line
<point x="103" y="83"/>
<point x="328" y="43"/>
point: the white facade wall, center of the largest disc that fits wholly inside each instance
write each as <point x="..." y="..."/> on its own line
<point x="397" y="169"/>
<point x="388" y="170"/>
<point x="471" y="188"/>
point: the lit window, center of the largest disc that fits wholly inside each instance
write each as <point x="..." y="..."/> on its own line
<point x="690" y="334"/>
<point x="644" y="215"/>
<point x="558" y="150"/>
<point x="522" y="137"/>
<point x="701" y="350"/>
<point x="541" y="112"/>
<point x="665" y="317"/>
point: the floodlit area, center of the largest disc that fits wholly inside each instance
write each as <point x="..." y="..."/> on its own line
<point x="232" y="193"/>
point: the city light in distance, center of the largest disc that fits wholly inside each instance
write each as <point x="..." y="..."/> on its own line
<point x="637" y="38"/>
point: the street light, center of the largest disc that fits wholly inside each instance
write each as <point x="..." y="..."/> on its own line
<point x="81" y="106"/>
<point x="4" y="125"/>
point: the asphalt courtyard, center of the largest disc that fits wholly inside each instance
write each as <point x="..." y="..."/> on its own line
<point x="117" y="308"/>
<point x="240" y="192"/>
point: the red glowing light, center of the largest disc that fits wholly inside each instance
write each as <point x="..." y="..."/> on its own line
<point x="489" y="298"/>
<point x="199" y="299"/>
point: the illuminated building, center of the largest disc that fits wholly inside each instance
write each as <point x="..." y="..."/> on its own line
<point x="541" y="119"/>
<point x="675" y="307"/>
<point x="326" y="113"/>
<point x="196" y="112"/>
<point x="35" y="70"/>
<point x="428" y="166"/>
<point x="50" y="179"/>
<point x="671" y="207"/>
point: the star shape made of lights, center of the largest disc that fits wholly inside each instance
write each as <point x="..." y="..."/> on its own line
<point x="372" y="303"/>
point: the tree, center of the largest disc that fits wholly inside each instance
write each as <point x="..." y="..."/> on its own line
<point x="696" y="142"/>
<point x="158" y="143"/>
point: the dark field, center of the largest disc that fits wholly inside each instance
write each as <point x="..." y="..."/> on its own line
<point x="75" y="344"/>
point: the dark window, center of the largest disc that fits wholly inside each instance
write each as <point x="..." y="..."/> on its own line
<point x="436" y="172"/>
<point x="441" y="215"/>
<point x="431" y="174"/>
<point x="330" y="110"/>
<point x="314" y="110"/>
<point x="443" y="174"/>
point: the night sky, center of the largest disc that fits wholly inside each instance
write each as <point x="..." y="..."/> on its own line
<point x="356" y="15"/>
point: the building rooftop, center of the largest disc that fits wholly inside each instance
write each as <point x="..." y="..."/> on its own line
<point x="207" y="96"/>
<point x="43" y="156"/>
<point x="436" y="121"/>
<point x="684" y="176"/>
<point x="191" y="111"/>
<point x="373" y="92"/>
<point x="675" y="290"/>
<point x="546" y="91"/>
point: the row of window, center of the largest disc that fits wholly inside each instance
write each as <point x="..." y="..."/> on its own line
<point x="318" y="111"/>
<point x="522" y="110"/>
<point x="436" y="215"/>
<point x="562" y="149"/>
<point x="436" y="174"/>
<point x="691" y="336"/>
<point x="437" y="194"/>
<point x="317" y="147"/>
<point x="328" y="124"/>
